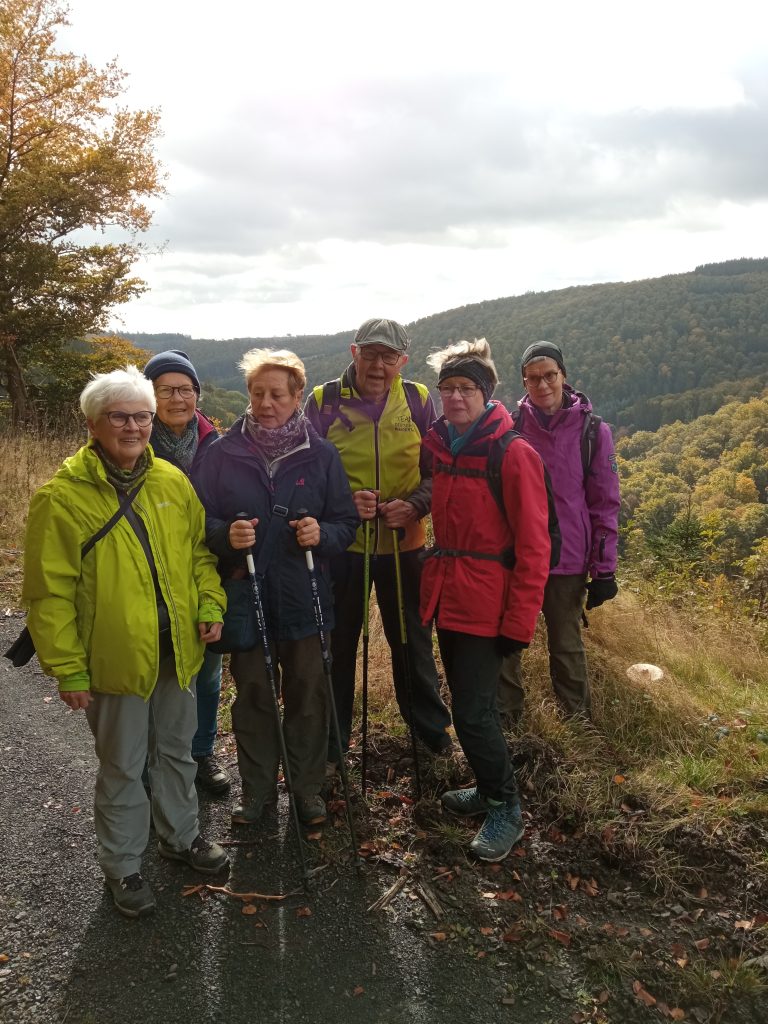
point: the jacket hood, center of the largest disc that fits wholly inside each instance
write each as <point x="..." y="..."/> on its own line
<point x="86" y="466"/>
<point x="492" y="424"/>
<point x="572" y="400"/>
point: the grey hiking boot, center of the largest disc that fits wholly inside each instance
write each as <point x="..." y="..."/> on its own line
<point x="502" y="828"/>
<point x="311" y="809"/>
<point x="211" y="776"/>
<point x="464" y="802"/>
<point x="131" y="894"/>
<point x="207" y="858"/>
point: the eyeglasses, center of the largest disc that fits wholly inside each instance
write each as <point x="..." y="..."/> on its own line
<point x="465" y="390"/>
<point x="119" y="419"/>
<point x="166" y="391"/>
<point x="549" y="378"/>
<point x="389" y="358"/>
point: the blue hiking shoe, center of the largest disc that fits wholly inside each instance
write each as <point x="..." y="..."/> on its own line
<point x="502" y="828"/>
<point x="464" y="802"/>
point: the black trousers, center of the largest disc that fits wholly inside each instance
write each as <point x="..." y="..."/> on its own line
<point x="430" y="715"/>
<point x="472" y="665"/>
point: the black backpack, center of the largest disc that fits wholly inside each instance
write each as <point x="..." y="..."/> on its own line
<point x="493" y="471"/>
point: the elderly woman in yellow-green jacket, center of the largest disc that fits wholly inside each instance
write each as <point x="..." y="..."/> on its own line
<point x="123" y="626"/>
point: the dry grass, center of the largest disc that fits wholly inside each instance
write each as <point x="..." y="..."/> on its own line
<point x="27" y="461"/>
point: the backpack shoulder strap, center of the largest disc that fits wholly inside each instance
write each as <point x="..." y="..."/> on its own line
<point x="493" y="467"/>
<point x="416" y="396"/>
<point x="589" y="432"/>
<point x="330" y="406"/>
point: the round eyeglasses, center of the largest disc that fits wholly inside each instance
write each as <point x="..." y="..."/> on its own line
<point x="119" y="419"/>
<point x="532" y="381"/>
<point x="166" y="391"/>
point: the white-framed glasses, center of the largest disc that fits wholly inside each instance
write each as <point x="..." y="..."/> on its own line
<point x="141" y="419"/>
<point x="534" y="381"/>
<point x="465" y="390"/>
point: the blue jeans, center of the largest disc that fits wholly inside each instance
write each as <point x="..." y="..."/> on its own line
<point x="208" y="690"/>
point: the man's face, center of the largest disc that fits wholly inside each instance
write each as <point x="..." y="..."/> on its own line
<point x="376" y="366"/>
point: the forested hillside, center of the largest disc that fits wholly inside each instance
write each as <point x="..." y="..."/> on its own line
<point x="647" y="352"/>
<point x="695" y="495"/>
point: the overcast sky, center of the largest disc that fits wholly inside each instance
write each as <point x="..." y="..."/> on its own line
<point x="333" y="161"/>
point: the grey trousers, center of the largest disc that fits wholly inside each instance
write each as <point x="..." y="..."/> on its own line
<point x="126" y="730"/>
<point x="301" y="681"/>
<point x="562" y="608"/>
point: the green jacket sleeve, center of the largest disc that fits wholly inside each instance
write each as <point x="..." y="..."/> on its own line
<point x="212" y="601"/>
<point x="51" y="572"/>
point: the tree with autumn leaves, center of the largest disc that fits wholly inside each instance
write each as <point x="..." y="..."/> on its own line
<point x="73" y="162"/>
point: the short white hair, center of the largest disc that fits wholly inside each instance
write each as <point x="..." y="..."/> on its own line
<point x="128" y="385"/>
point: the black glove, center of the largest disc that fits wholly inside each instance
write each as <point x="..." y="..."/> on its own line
<point x="505" y="645"/>
<point x="603" y="588"/>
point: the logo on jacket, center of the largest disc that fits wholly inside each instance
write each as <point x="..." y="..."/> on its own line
<point x="403" y="422"/>
<point x="613" y="464"/>
<point x="300" y="482"/>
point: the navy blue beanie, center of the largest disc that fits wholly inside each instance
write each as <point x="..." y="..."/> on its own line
<point x="172" y="361"/>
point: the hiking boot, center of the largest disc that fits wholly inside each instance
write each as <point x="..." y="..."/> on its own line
<point x="250" y="809"/>
<point x="131" y="894"/>
<point x="207" y="858"/>
<point x="464" y="802"/>
<point x="502" y="828"/>
<point x="311" y="809"/>
<point x="211" y="776"/>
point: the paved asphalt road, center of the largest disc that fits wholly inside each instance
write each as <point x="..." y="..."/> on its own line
<point x="66" y="956"/>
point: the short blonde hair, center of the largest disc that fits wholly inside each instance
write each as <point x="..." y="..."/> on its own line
<point x="259" y="359"/>
<point x="128" y="385"/>
<point x="477" y="351"/>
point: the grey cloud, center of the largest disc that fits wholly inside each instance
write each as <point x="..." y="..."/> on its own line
<point x="412" y="160"/>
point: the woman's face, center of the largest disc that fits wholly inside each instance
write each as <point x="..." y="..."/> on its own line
<point x="463" y="402"/>
<point x="176" y="400"/>
<point x="545" y="395"/>
<point x="122" y="444"/>
<point x="272" y="403"/>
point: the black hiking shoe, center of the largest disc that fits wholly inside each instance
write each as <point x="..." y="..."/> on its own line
<point x="207" y="858"/>
<point x="131" y="894"/>
<point x="211" y="776"/>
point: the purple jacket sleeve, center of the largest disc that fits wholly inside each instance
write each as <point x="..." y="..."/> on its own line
<point x="603" y="502"/>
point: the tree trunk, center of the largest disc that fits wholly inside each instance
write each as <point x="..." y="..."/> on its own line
<point x="14" y="383"/>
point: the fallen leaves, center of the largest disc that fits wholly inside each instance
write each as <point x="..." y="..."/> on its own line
<point x="642" y="994"/>
<point x="564" y="938"/>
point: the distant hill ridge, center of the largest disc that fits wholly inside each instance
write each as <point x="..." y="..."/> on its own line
<point x="646" y="352"/>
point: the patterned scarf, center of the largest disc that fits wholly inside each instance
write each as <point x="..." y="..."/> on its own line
<point x="278" y="441"/>
<point x="179" y="449"/>
<point x="123" y="480"/>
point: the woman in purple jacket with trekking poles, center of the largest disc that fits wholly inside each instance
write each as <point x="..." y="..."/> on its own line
<point x="577" y="449"/>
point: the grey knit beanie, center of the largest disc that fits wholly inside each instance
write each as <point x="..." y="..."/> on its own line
<point x="542" y="350"/>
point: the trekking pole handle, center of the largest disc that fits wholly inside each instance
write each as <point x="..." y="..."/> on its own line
<point x="300" y="513"/>
<point x="249" y="552"/>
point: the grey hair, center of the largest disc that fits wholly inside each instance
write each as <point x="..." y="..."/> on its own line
<point x="477" y="351"/>
<point x="259" y="359"/>
<point x="128" y="385"/>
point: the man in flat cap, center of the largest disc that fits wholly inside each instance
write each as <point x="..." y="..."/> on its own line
<point x="376" y="420"/>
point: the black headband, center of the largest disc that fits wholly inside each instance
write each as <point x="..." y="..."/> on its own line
<point x="471" y="368"/>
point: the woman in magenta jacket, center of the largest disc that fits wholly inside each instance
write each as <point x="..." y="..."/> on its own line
<point x="554" y="418"/>
<point x="483" y="581"/>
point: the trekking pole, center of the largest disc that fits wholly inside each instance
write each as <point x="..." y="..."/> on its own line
<point x="406" y="665"/>
<point x="366" y="603"/>
<point x="261" y="624"/>
<point x="326" y="655"/>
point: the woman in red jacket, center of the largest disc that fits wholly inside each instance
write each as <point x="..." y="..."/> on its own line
<point x="483" y="582"/>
